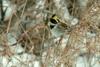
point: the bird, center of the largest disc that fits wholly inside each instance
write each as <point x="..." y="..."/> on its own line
<point x="57" y="26"/>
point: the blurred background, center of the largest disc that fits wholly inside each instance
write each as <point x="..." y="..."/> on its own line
<point x="26" y="39"/>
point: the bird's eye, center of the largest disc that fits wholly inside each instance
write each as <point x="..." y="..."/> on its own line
<point x="53" y="21"/>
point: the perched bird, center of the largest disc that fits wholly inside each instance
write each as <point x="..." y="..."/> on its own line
<point x="57" y="26"/>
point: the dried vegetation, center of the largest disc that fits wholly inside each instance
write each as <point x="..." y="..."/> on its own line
<point x="29" y="25"/>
